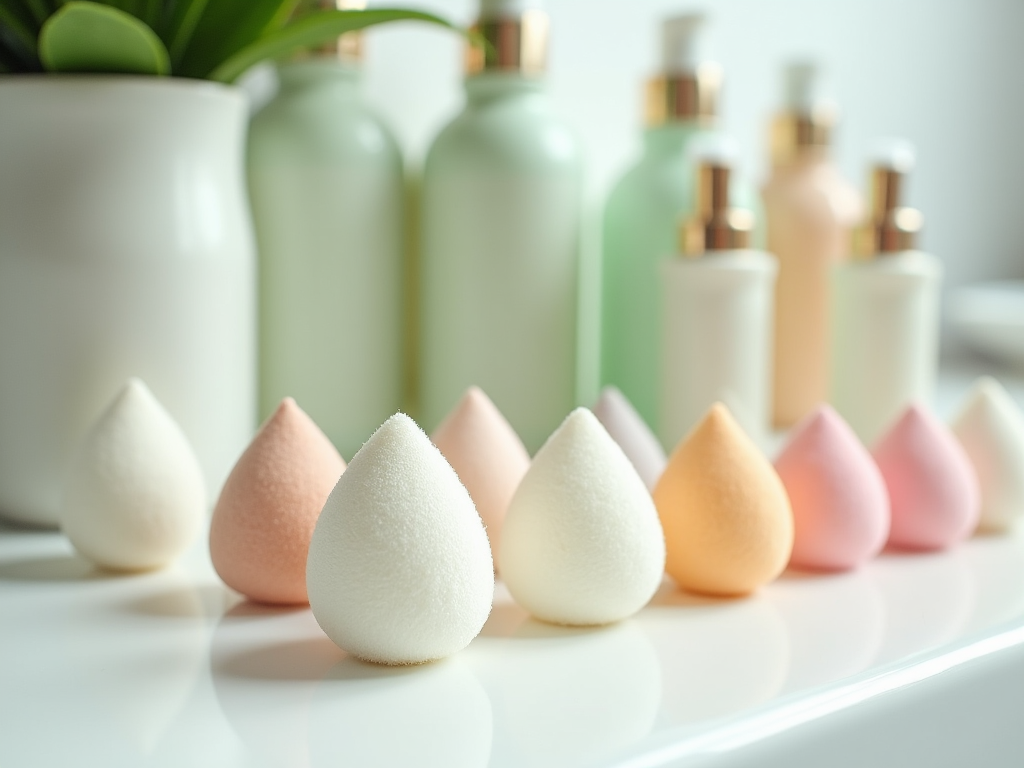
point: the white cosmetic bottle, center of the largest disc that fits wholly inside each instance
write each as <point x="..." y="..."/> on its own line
<point x="717" y="307"/>
<point x="500" y="236"/>
<point x="885" y="322"/>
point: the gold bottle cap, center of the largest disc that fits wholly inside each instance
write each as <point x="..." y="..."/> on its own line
<point x="715" y="224"/>
<point x="687" y="88"/>
<point x="890" y="227"/>
<point x="517" y="42"/>
<point x="805" y="126"/>
<point x="348" y="48"/>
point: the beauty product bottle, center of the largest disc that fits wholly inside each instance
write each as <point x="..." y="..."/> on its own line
<point x="641" y="217"/>
<point x="885" y="327"/>
<point x="326" y="184"/>
<point x="716" y="311"/>
<point x="500" y="234"/>
<point x="810" y="211"/>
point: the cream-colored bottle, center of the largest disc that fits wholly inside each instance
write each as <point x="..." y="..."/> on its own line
<point x="716" y="313"/>
<point x="811" y="211"/>
<point x="885" y="327"/>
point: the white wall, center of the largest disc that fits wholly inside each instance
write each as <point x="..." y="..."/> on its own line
<point x="947" y="74"/>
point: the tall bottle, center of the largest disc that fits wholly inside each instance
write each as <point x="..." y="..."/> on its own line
<point x="500" y="235"/>
<point x="641" y="217"/>
<point x="810" y="211"/>
<point x="326" y="184"/>
<point x="886" y="308"/>
<point x="717" y="312"/>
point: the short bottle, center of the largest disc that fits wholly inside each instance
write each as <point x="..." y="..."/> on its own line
<point x="326" y="184"/>
<point x="716" y="312"/>
<point x="810" y="211"/>
<point x="500" y="238"/>
<point x="641" y="217"/>
<point x="885" y="323"/>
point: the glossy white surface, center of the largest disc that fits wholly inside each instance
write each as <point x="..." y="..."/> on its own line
<point x="990" y="318"/>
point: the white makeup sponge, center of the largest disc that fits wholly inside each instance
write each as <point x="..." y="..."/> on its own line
<point x="582" y="543"/>
<point x="135" y="498"/>
<point x="399" y="568"/>
<point x="990" y="427"/>
<point x="630" y="431"/>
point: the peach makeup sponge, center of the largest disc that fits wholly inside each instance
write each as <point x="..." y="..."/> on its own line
<point x="932" y="486"/>
<point x="264" y="519"/>
<point x="990" y="428"/>
<point x="840" y="504"/>
<point x="727" y="520"/>
<point x="486" y="454"/>
<point x="135" y="498"/>
<point x="399" y="568"/>
<point x="582" y="544"/>
<point x="631" y="432"/>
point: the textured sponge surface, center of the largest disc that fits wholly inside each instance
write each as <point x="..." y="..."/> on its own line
<point x="264" y="519"/>
<point x="399" y="568"/>
<point x="582" y="543"/>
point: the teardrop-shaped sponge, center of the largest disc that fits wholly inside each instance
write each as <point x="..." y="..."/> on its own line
<point x="135" y="498"/>
<point x="990" y="428"/>
<point x="840" y="504"/>
<point x="630" y="431"/>
<point x="264" y="519"/>
<point x="399" y="568"/>
<point x="932" y="486"/>
<point x="582" y="544"/>
<point x="727" y="520"/>
<point x="486" y="454"/>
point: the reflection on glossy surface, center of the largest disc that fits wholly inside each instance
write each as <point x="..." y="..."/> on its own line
<point x="718" y="656"/>
<point x="835" y="624"/>
<point x="997" y="564"/>
<point x="564" y="696"/>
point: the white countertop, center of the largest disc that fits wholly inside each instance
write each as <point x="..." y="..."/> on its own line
<point x="914" y="659"/>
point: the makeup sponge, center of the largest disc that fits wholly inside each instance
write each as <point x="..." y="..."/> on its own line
<point x="990" y="428"/>
<point x="486" y="454"/>
<point x="134" y="499"/>
<point x="727" y="520"/>
<point x="932" y="486"/>
<point x="264" y="519"/>
<point x="634" y="437"/>
<point x="399" y="568"/>
<point x="840" y="504"/>
<point x="582" y="544"/>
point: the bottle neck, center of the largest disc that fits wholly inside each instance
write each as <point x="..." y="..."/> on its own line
<point x="672" y="138"/>
<point x="314" y="72"/>
<point x="487" y="87"/>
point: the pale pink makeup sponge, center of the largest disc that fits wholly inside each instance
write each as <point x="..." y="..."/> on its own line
<point x="840" y="503"/>
<point x="628" y="428"/>
<point x="486" y="454"/>
<point x="266" y="513"/>
<point x="932" y="486"/>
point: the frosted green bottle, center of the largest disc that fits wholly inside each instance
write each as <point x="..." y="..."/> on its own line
<point x="500" y="237"/>
<point x="326" y="184"/>
<point x="644" y="211"/>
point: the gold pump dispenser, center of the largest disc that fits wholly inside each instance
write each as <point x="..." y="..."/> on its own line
<point x="890" y="226"/>
<point x="805" y="126"/>
<point x="516" y="39"/>
<point x="687" y="88"/>
<point x="715" y="225"/>
<point x="348" y="48"/>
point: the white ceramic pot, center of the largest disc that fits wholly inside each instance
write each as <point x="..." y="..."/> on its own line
<point x="126" y="249"/>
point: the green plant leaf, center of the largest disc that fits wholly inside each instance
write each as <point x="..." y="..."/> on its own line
<point x="14" y="18"/>
<point x="91" y="37"/>
<point x="182" y="26"/>
<point x="226" y="27"/>
<point x="312" y="30"/>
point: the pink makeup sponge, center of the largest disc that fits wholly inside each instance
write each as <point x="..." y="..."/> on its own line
<point x="840" y="503"/>
<point x="630" y="431"/>
<point x="264" y="519"/>
<point x="486" y="454"/>
<point x="933" y="489"/>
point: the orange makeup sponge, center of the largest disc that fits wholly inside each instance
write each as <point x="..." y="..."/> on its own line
<point x="726" y="516"/>
<point x="266" y="513"/>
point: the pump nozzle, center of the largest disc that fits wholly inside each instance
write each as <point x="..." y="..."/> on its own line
<point x="679" y="42"/>
<point x="715" y="225"/>
<point x="517" y="34"/>
<point x="891" y="227"/>
<point x="687" y="87"/>
<point x="807" y="119"/>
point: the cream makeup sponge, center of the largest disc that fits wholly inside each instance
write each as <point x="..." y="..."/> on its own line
<point x="134" y="499"/>
<point x="582" y="544"/>
<point x="631" y="432"/>
<point x="486" y="454"/>
<point x="264" y="519"/>
<point x="990" y="428"/>
<point x="932" y="486"/>
<point x="840" y="504"/>
<point x="399" y="568"/>
<point x="727" y="520"/>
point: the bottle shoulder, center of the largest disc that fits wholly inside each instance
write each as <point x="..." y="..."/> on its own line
<point x="819" y="192"/>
